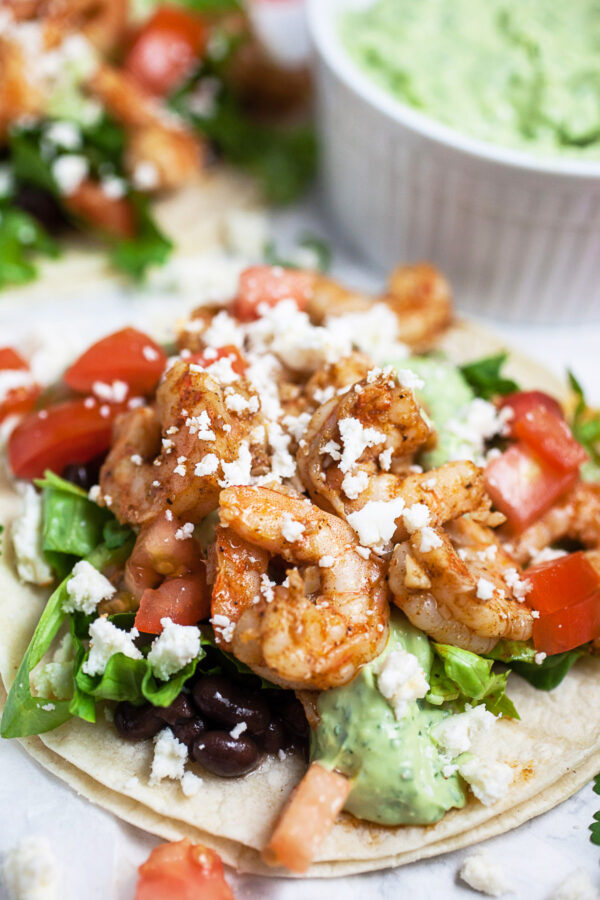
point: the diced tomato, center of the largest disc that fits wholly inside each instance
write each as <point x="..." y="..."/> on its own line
<point x="307" y="819"/>
<point x="114" y="215"/>
<point x="182" y="871"/>
<point x="20" y="397"/>
<point x="561" y="582"/>
<point x="523" y="486"/>
<point x="72" y="432"/>
<point x="270" y="285"/>
<point x="564" y="629"/>
<point x="159" y="554"/>
<point x="206" y="358"/>
<point x="128" y="355"/>
<point x="549" y="437"/>
<point x="184" y="600"/>
<point x="522" y="402"/>
<point x="166" y="49"/>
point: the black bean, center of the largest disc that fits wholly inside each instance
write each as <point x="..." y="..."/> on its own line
<point x="84" y="475"/>
<point x="180" y="708"/>
<point x="275" y="737"/>
<point x="224" y="755"/>
<point x="292" y="713"/>
<point x="187" y="730"/>
<point x="229" y="703"/>
<point x="136" y="723"/>
<point x="42" y="206"/>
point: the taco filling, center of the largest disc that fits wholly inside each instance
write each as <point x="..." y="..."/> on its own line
<point x="302" y="531"/>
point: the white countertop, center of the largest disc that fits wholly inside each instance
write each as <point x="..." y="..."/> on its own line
<point x="99" y="854"/>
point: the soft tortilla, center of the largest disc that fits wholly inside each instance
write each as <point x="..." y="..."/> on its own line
<point x="554" y="749"/>
<point x="193" y="217"/>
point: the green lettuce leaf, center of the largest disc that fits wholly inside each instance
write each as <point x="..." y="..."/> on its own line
<point x="585" y="425"/>
<point x="463" y="677"/>
<point x="485" y="377"/>
<point x="73" y="525"/>
<point x="545" y="676"/>
<point x="150" y="247"/>
<point x="24" y="714"/>
<point x="21" y="237"/>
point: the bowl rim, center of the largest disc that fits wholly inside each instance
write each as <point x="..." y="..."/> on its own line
<point x="324" y="38"/>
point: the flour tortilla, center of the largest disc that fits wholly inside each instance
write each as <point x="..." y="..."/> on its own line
<point x="193" y="217"/>
<point x="554" y="750"/>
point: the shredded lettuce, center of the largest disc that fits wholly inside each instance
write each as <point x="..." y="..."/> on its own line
<point x="585" y="425"/>
<point x="486" y="379"/>
<point x="460" y="677"/>
<point x="21" y="239"/>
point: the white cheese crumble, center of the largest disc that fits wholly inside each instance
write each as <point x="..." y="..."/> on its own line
<point x="385" y="459"/>
<point x="239" y="404"/>
<point x="169" y="759"/>
<point x="429" y="539"/>
<point x="485" y="589"/>
<point x="520" y="587"/>
<point x="27" y="540"/>
<point x="106" y="640"/>
<point x="291" y="530"/>
<point x="326" y="562"/>
<point x="185" y="532"/>
<point x="455" y="733"/>
<point x="69" y="171"/>
<point x="374" y="331"/>
<point x="474" y="424"/>
<point x="31" y="872"/>
<point x="355" y="439"/>
<point x="174" y="648"/>
<point x="238" y="471"/>
<point x="484" y="874"/>
<point x="223" y="626"/>
<point x="540" y="657"/>
<point x="200" y="425"/>
<point x="86" y="589"/>
<point x="238" y="729"/>
<point x="112" y="393"/>
<point x="208" y="465"/>
<point x="190" y="784"/>
<point x="375" y="523"/>
<point x="11" y="379"/>
<point x="354" y="485"/>
<point x="410" y="379"/>
<point x="489" y="780"/>
<point x="401" y="680"/>
<point x="416" y="517"/>
<point x="145" y="176"/>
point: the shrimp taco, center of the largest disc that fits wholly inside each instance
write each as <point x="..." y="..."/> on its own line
<point x="112" y="120"/>
<point x="320" y="588"/>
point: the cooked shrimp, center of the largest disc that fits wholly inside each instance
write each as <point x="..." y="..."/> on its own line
<point x="331" y="614"/>
<point x="103" y="22"/>
<point x="464" y="585"/>
<point x="179" y="449"/>
<point x="333" y="377"/>
<point x="19" y="96"/>
<point x="376" y="416"/>
<point x="576" y="517"/>
<point x="174" y="154"/>
<point x="419" y="296"/>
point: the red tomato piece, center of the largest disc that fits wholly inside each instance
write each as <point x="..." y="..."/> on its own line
<point x="270" y="285"/>
<point x="522" y="402"/>
<point x="184" y="600"/>
<point x="182" y="871"/>
<point x="567" y="628"/>
<point x="549" y="437"/>
<point x="561" y="582"/>
<point x="523" y="486"/>
<point x="113" y="215"/>
<point x="206" y="358"/>
<point x="166" y="49"/>
<point x="72" y="432"/>
<point x="19" y="398"/>
<point x="127" y="355"/>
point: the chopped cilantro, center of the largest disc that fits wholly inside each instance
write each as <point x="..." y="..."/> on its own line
<point x="585" y="425"/>
<point x="595" y="826"/>
<point x="484" y="376"/>
<point x="21" y="239"/>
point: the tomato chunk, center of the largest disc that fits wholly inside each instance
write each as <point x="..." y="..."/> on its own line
<point x="182" y="871"/>
<point x="128" y="355"/>
<point x="113" y="215"/>
<point x="549" y="437"/>
<point x="72" y="432"/>
<point x="564" y="629"/>
<point x="166" y="49"/>
<point x="561" y="582"/>
<point x="522" y="402"/>
<point x="184" y="600"/>
<point x="270" y="285"/>
<point x="307" y="819"/>
<point x="523" y="486"/>
<point x="206" y="358"/>
<point x="18" y="392"/>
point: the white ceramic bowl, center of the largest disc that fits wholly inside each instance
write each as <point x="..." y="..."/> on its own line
<point x="517" y="235"/>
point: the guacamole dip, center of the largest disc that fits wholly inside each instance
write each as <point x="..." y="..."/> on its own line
<point x="395" y="766"/>
<point x="523" y="73"/>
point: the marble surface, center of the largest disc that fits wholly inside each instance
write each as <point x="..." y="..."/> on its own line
<point x="99" y="855"/>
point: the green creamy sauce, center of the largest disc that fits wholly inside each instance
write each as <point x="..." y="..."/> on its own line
<point x="395" y="766"/>
<point x="523" y="73"/>
<point x="446" y="396"/>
